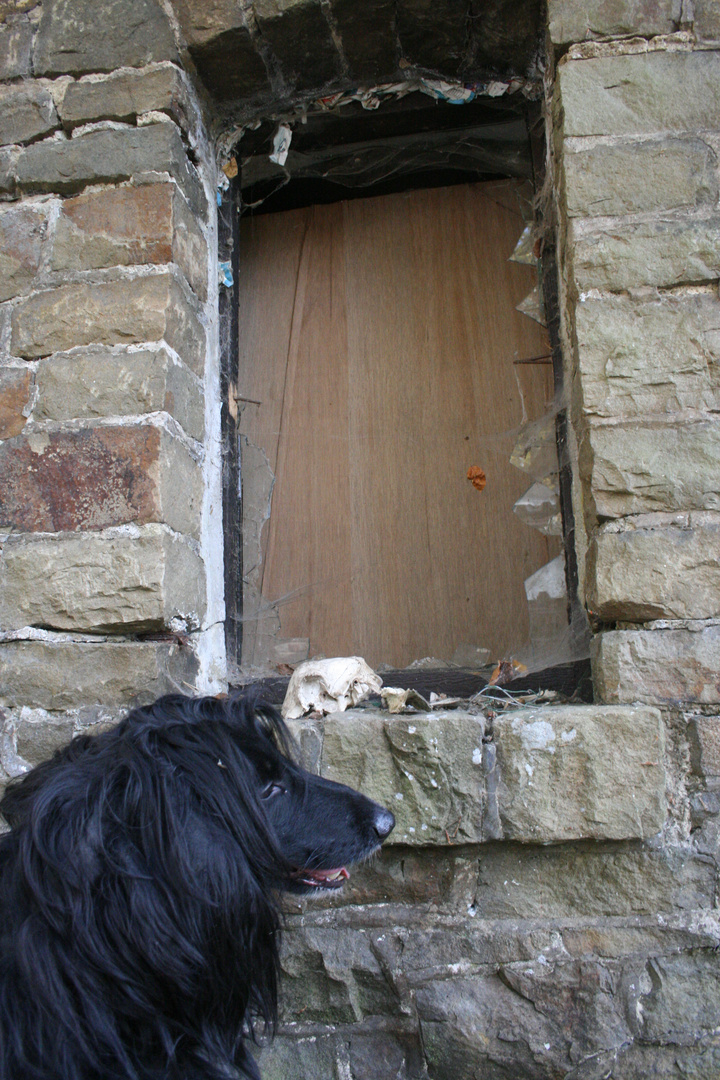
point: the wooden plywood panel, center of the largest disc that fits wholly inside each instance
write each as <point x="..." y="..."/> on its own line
<point x="392" y="375"/>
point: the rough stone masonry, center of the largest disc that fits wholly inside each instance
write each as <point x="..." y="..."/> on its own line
<point x="548" y="904"/>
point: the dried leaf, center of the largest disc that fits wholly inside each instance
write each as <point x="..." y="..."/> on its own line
<point x="506" y="671"/>
<point x="477" y="477"/>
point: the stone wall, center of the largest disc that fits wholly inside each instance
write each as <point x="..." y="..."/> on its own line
<point x="111" y="522"/>
<point x="548" y="903"/>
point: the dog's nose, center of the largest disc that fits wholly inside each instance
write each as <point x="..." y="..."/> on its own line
<point x="383" y="822"/>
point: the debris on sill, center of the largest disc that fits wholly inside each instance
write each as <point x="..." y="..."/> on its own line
<point x="326" y="686"/>
<point x="505" y="671"/>
<point x="281" y="144"/>
<point x="477" y="477"/>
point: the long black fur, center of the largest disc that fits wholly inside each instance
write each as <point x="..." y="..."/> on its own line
<point x="139" y="892"/>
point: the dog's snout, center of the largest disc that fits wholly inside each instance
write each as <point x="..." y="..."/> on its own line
<point x="383" y="822"/>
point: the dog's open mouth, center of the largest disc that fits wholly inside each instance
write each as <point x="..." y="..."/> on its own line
<point x="322" y="879"/>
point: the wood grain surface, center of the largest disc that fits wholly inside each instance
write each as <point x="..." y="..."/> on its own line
<point x="379" y="337"/>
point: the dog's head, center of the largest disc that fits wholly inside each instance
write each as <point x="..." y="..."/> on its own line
<point x="298" y="830"/>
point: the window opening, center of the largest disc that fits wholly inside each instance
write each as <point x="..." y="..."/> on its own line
<point x="393" y="348"/>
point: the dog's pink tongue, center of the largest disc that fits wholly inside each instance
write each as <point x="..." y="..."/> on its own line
<point x="331" y="875"/>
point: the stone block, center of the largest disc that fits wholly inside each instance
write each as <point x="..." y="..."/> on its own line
<point x="205" y="20"/>
<point x="521" y="1021"/>
<point x="368" y="37"/>
<point x="638" y="357"/>
<point x="125" y="95"/>
<point x="588" y="881"/>
<point x="657" y="253"/>
<point x="570" y="22"/>
<point x="639" y="177"/>
<point x="704" y="739"/>
<point x="706" y="20"/>
<point x="640" y="94"/>
<point x="15" y="45"/>
<point x="108" y="155"/>
<point x="230" y="67"/>
<point x="655" y="567"/>
<point x="300" y="37"/>
<point x="128" y="579"/>
<point x="22" y="232"/>
<point x="573" y="772"/>
<point x="646" y="467"/>
<point x="97" y="477"/>
<point x="131" y="225"/>
<point x="15" y="386"/>
<point x="26" y="111"/>
<point x="433" y="34"/>
<point x="114" y="382"/>
<point x="426" y="768"/>
<point x="76" y="36"/>
<point x="679" y="1000"/>
<point x="61" y="673"/>
<point x="669" y="666"/>
<point x="152" y="308"/>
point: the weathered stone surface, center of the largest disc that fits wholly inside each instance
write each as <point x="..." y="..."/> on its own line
<point x="521" y="1021"/>
<point x="368" y="37"/>
<point x="580" y="771"/>
<point x="505" y="37"/>
<point x="641" y="94"/>
<point x="62" y="674"/>
<point x="363" y="1055"/>
<point x="571" y="22"/>
<point x="124" y="579"/>
<point x="115" y="382"/>
<point x="638" y="177"/>
<point x="129" y="225"/>
<point x="9" y="9"/>
<point x="680" y="1000"/>
<point x="82" y="35"/>
<point x="706" y="20"/>
<point x="661" y="253"/>
<point x="300" y="37"/>
<point x="498" y="1000"/>
<point x="22" y="231"/>
<point x="658" y="667"/>
<point x="26" y="111"/>
<point x="229" y="65"/>
<point x="15" y="45"/>
<point x="426" y="768"/>
<point x="204" y="20"/>
<point x="97" y="477"/>
<point x="125" y="95"/>
<point x="549" y="775"/>
<point x="638" y="357"/>
<point x="433" y="35"/>
<point x="109" y="155"/>
<point x="642" y="468"/>
<point x="35" y="734"/>
<point x="704" y="739"/>
<point x="656" y="567"/>
<point x="122" y="312"/>
<point x="563" y="880"/>
<point x="14" y="395"/>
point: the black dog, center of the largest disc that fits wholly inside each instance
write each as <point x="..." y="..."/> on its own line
<point x="139" y="892"/>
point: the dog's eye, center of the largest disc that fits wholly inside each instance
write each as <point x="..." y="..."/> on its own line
<point x="273" y="788"/>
